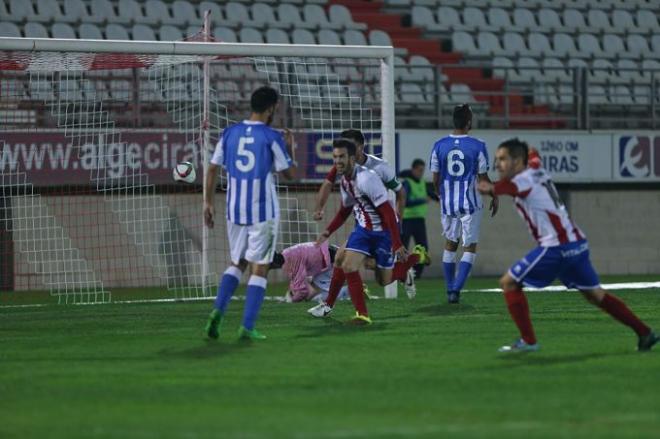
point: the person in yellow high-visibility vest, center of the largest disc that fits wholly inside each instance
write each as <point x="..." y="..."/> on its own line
<point x="414" y="213"/>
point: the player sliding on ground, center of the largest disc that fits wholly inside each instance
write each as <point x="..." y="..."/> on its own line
<point x="562" y="250"/>
<point x="387" y="176"/>
<point x="249" y="151"/>
<point x="376" y="233"/>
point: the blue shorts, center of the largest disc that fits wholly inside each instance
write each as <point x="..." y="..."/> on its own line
<point x="375" y="244"/>
<point x="569" y="262"/>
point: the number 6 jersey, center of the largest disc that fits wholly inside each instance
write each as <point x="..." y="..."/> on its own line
<point x="539" y="205"/>
<point x="250" y="151"/>
<point x="458" y="159"/>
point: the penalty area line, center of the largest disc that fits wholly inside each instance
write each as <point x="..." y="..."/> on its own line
<point x="559" y="288"/>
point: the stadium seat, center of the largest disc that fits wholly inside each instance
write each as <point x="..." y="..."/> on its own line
<point x="574" y="21"/>
<point x="589" y="45"/>
<point x="539" y="43"/>
<point x="622" y="21"/>
<point x="629" y="71"/>
<point x="157" y="12"/>
<point x="9" y="30"/>
<point x="263" y="16"/>
<point x="63" y="30"/>
<point x="341" y="18"/>
<point x="354" y="38"/>
<point x="524" y="19"/>
<point x="302" y="36"/>
<point x="115" y="31"/>
<point x="423" y="17"/>
<point x="329" y="36"/>
<point x="35" y="30"/>
<point x="514" y="44"/>
<point x="379" y="38"/>
<point x="46" y="11"/>
<point x="528" y="69"/>
<point x="16" y="11"/>
<point x="75" y="11"/>
<point x="460" y="93"/>
<point x="613" y="44"/>
<point x="236" y="15"/>
<point x="412" y="94"/>
<point x="421" y="69"/>
<point x="599" y="21"/>
<point x="601" y="71"/>
<point x="89" y="31"/>
<point x="142" y="32"/>
<point x="315" y="17"/>
<point x="641" y="94"/>
<point x="655" y="43"/>
<point x="130" y="11"/>
<point x="289" y="16"/>
<point x="184" y="12"/>
<point x="563" y="45"/>
<point x="597" y="95"/>
<point x="637" y="47"/>
<point x="463" y="42"/>
<point x="169" y="33"/>
<point x="475" y="18"/>
<point x="621" y="95"/>
<point x="565" y="94"/>
<point x="488" y="44"/>
<point x="277" y="36"/>
<point x="250" y="35"/>
<point x="69" y="90"/>
<point x="502" y="67"/>
<point x="554" y="70"/>
<point x="41" y="90"/>
<point x="102" y="11"/>
<point x="448" y="18"/>
<point x="647" y="21"/>
<point x="224" y="34"/>
<point x="499" y="19"/>
<point x="549" y="21"/>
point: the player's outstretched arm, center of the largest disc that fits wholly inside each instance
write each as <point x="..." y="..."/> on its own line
<point x="494" y="202"/>
<point x="209" y="194"/>
<point x="340" y="218"/>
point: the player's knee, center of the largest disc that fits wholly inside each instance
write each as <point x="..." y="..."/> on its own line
<point x="507" y="283"/>
<point x="451" y="246"/>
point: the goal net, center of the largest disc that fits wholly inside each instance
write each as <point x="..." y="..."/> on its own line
<point x="90" y="132"/>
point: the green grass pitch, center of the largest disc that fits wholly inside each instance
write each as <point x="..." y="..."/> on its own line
<point x="423" y="369"/>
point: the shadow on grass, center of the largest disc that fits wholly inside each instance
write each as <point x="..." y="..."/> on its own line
<point x="208" y="349"/>
<point x="445" y="309"/>
<point x="544" y="359"/>
<point x="331" y="326"/>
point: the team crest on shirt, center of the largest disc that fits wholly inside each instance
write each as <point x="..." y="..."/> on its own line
<point x="517" y="268"/>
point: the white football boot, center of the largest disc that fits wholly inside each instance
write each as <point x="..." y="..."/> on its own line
<point x="519" y="346"/>
<point x="409" y="284"/>
<point x="321" y="310"/>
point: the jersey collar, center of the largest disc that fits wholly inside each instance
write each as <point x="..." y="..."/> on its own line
<point x="252" y="122"/>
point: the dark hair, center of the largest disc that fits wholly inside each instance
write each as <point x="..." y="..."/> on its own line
<point x="417" y="162"/>
<point x="345" y="143"/>
<point x="278" y="261"/>
<point x="355" y="135"/>
<point x="462" y="115"/>
<point x="263" y="98"/>
<point x="517" y="148"/>
<point x="332" y="249"/>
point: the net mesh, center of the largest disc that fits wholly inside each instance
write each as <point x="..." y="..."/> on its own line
<point x="89" y="141"/>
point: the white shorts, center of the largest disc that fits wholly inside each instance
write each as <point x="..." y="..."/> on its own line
<point x="254" y="243"/>
<point x="465" y="227"/>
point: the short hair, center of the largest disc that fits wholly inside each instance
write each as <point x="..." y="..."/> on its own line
<point x="462" y="115"/>
<point x="278" y="261"/>
<point x="417" y="162"/>
<point x="517" y="148"/>
<point x="355" y="135"/>
<point x="345" y="143"/>
<point x="263" y="98"/>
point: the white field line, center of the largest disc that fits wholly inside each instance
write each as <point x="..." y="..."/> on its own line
<point x="554" y="288"/>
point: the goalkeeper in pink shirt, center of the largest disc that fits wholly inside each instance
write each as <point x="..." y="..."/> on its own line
<point x="309" y="269"/>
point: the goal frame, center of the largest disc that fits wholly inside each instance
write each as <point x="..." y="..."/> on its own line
<point x="218" y="49"/>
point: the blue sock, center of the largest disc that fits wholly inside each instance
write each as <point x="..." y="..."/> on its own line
<point x="228" y="285"/>
<point x="464" y="268"/>
<point x="449" y="267"/>
<point x="256" y="291"/>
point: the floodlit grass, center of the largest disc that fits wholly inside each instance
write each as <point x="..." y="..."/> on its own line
<point x="423" y="369"/>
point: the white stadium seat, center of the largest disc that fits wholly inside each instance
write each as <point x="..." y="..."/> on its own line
<point x="641" y="94"/>
<point x="90" y="31"/>
<point x="524" y="19"/>
<point x="63" y="30"/>
<point x="184" y="12"/>
<point x="142" y="32"/>
<point x="115" y="31"/>
<point x="589" y="45"/>
<point x="17" y="11"/>
<point x="573" y="20"/>
<point x="601" y="71"/>
<point x="47" y="11"/>
<point x="130" y="11"/>
<point x="170" y="33"/>
<point x="514" y="44"/>
<point x="236" y="14"/>
<point x="102" y="11"/>
<point x="555" y="71"/>
<point x="463" y="42"/>
<point x="303" y="36"/>
<point x="250" y="35"/>
<point x="502" y="66"/>
<point x="622" y="21"/>
<point x="9" y="30"/>
<point x="474" y="18"/>
<point x="379" y="38"/>
<point x="329" y="36"/>
<point x="488" y="44"/>
<point x="289" y="17"/>
<point x="647" y="21"/>
<point x="501" y="21"/>
<point x="341" y="17"/>
<point x="354" y="38"/>
<point x="217" y="16"/>
<point x="421" y="69"/>
<point x="35" y="30"/>
<point x="563" y="45"/>
<point x="224" y="34"/>
<point x="638" y="46"/>
<point x="461" y="93"/>
<point x="629" y="71"/>
<point x="528" y="69"/>
<point x="263" y="16"/>
<point x="75" y="11"/>
<point x="549" y="21"/>
<point x="449" y="18"/>
<point x="613" y="44"/>
<point x="423" y="17"/>
<point x="597" y="95"/>
<point x="539" y="43"/>
<point x="655" y="43"/>
<point x="315" y="16"/>
<point x="620" y="94"/>
<point x="598" y="20"/>
<point x="277" y="36"/>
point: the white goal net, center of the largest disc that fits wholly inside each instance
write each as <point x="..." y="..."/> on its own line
<point x="91" y="130"/>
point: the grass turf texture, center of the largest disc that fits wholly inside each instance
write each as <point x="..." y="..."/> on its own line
<point x="423" y="369"/>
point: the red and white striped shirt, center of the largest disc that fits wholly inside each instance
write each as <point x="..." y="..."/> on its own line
<point x="364" y="191"/>
<point x="538" y="203"/>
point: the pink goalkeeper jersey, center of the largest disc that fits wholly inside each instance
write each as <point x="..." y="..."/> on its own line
<point x="302" y="261"/>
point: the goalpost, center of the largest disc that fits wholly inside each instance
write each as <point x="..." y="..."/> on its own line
<point x="90" y="131"/>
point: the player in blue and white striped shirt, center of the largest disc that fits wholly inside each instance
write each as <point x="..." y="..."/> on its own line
<point x="249" y="151"/>
<point x="457" y="162"/>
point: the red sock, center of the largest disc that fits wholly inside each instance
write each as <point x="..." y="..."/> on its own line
<point x="519" y="310"/>
<point x="401" y="268"/>
<point x="617" y="309"/>
<point x="357" y="294"/>
<point x="336" y="282"/>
